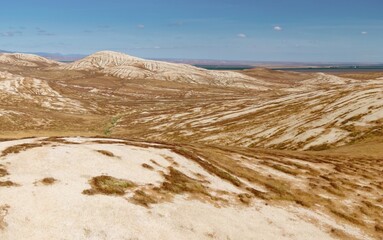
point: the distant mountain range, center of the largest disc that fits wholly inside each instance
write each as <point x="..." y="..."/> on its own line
<point x="54" y="56"/>
<point x="210" y="63"/>
<point x="3" y="51"/>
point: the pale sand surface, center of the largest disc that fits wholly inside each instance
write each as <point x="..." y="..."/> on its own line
<point x="61" y="211"/>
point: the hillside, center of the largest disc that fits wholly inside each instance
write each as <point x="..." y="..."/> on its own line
<point x="26" y="60"/>
<point x="188" y="151"/>
<point x="91" y="183"/>
<point x="128" y="67"/>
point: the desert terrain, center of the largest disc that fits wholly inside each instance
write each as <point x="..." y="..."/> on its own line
<point x="118" y="147"/>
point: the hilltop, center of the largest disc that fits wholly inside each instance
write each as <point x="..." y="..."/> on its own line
<point x="26" y="60"/>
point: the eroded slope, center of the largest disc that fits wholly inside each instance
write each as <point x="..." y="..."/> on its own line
<point x="128" y="67"/>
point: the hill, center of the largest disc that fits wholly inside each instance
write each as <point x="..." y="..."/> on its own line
<point x="128" y="67"/>
<point x="198" y="153"/>
<point x="26" y="60"/>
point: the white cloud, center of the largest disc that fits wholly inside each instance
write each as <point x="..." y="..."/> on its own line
<point x="141" y="26"/>
<point x="43" y="32"/>
<point x="10" y="34"/>
<point x="278" y="28"/>
<point x="364" y="33"/>
<point x="241" y="35"/>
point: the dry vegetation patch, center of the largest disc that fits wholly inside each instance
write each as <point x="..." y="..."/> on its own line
<point x="379" y="228"/>
<point x="8" y="184"/>
<point x="177" y="182"/>
<point x="245" y="198"/>
<point x="147" y="166"/>
<point x="211" y="168"/>
<point x="143" y="199"/>
<point x="3" y="171"/>
<point x="106" y="153"/>
<point x="3" y="213"/>
<point x="48" y="181"/>
<point x="21" y="147"/>
<point x="327" y="182"/>
<point x="108" y="185"/>
<point x="59" y="140"/>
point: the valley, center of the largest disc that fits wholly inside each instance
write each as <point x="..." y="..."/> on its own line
<point x="297" y="154"/>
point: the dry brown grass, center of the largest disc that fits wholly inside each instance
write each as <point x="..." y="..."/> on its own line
<point x="108" y="185"/>
<point x="8" y="184"/>
<point x="3" y="171"/>
<point x="48" y="181"/>
<point x="155" y="163"/>
<point x="213" y="169"/>
<point x="106" y="153"/>
<point x="351" y="217"/>
<point x="177" y="182"/>
<point x="57" y="139"/>
<point x="245" y="198"/>
<point x="143" y="199"/>
<point x="21" y="147"/>
<point x="320" y="147"/>
<point x="257" y="193"/>
<point x="379" y="227"/>
<point x="285" y="169"/>
<point x="342" y="176"/>
<point x="147" y="166"/>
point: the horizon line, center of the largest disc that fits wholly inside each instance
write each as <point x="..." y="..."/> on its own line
<point x="238" y="61"/>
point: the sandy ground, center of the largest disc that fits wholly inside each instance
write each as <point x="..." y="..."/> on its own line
<point x="61" y="211"/>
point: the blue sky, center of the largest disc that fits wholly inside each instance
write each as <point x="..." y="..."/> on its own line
<point x="259" y="30"/>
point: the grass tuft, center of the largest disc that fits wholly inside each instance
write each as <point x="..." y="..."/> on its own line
<point x="245" y="198"/>
<point x="106" y="153"/>
<point x="108" y="185"/>
<point x="178" y="182"/>
<point x="48" y="181"/>
<point x="21" y="147"/>
<point x="3" y="172"/>
<point x="147" y="166"/>
<point x="143" y="199"/>
<point x="7" y="184"/>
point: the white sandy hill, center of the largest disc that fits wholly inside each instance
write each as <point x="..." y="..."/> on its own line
<point x="323" y="78"/>
<point x="298" y="120"/>
<point x="59" y="208"/>
<point x="128" y="67"/>
<point x="26" y="60"/>
<point x="16" y="88"/>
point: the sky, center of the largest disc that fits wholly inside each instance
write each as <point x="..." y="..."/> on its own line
<point x="254" y="30"/>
